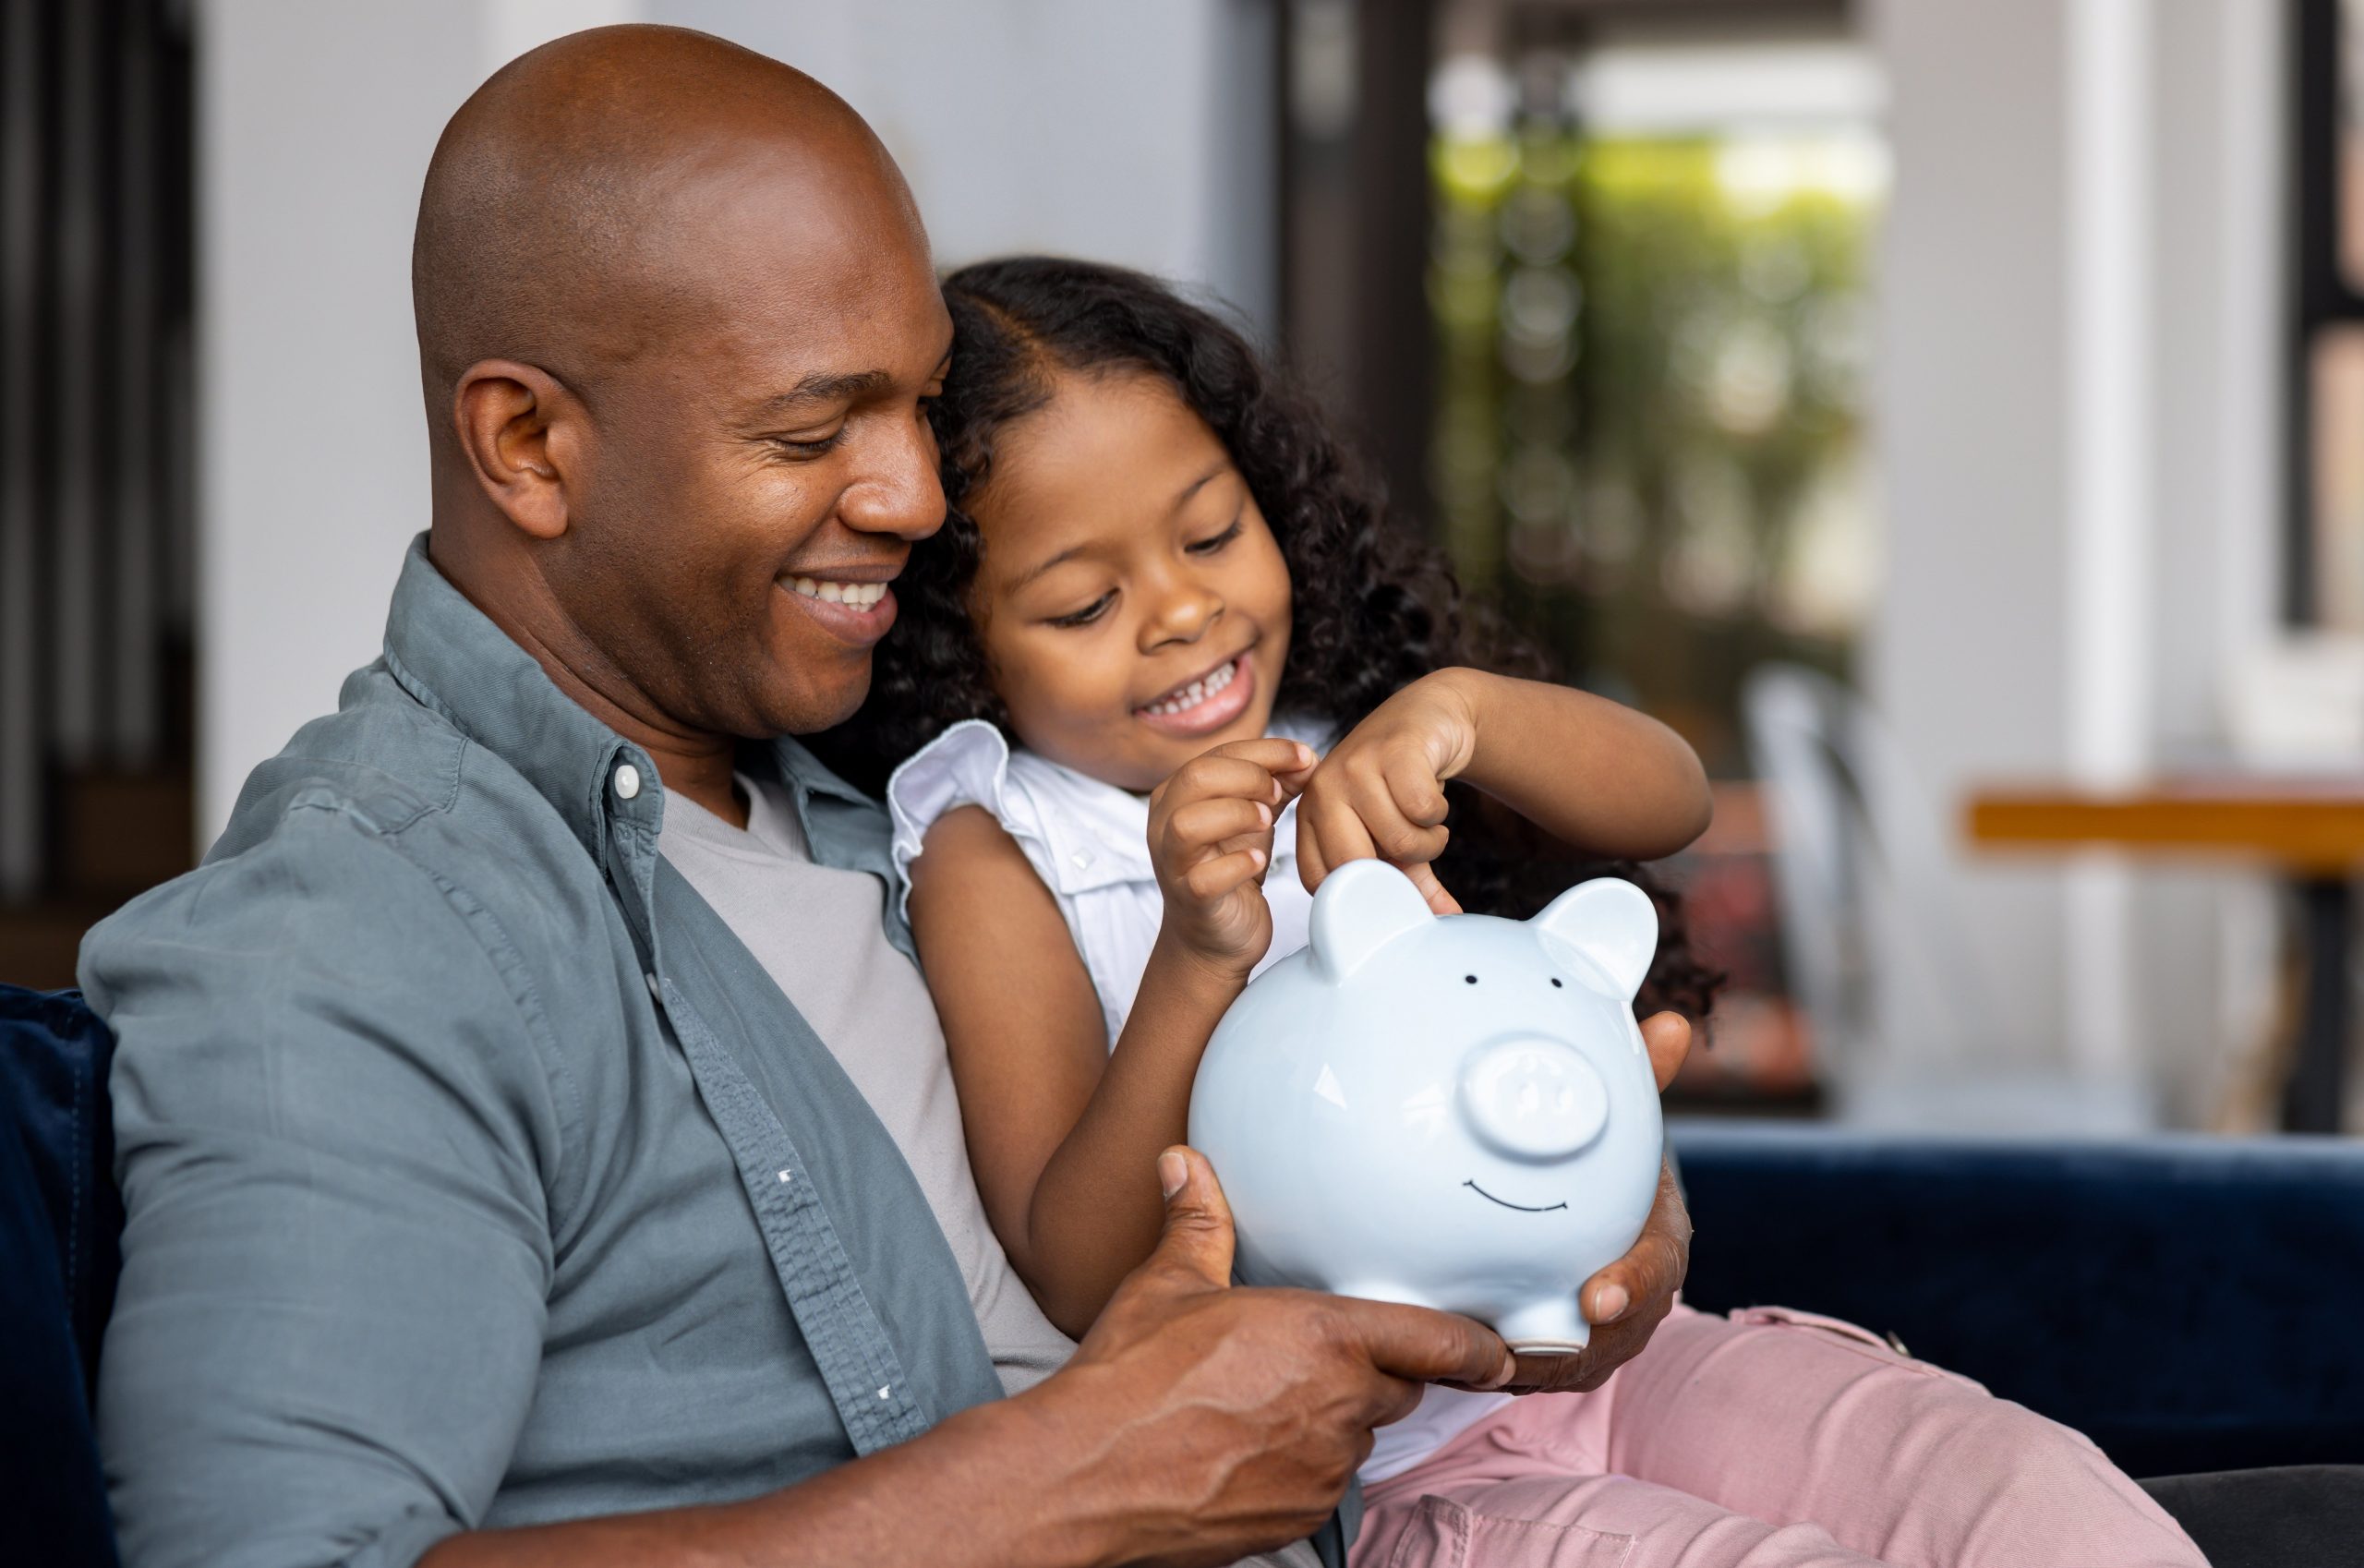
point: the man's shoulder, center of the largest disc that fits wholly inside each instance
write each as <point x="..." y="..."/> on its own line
<point x="382" y="824"/>
<point x="384" y="760"/>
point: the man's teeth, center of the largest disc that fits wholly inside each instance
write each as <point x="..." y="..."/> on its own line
<point x="862" y="596"/>
<point x="1197" y="692"/>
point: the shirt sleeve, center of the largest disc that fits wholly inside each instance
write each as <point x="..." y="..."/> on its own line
<point x="333" y="1117"/>
<point x="966" y="765"/>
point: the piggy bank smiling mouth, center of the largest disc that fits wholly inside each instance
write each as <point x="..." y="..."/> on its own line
<point x="1521" y="1207"/>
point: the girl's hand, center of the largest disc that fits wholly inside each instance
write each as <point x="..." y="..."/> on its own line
<point x="1211" y="839"/>
<point x="1380" y="794"/>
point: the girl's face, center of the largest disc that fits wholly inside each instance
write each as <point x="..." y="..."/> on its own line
<point x="1134" y="607"/>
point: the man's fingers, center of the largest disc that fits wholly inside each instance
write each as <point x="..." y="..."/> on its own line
<point x="1667" y="1037"/>
<point x="1197" y="1242"/>
<point x="1425" y="1345"/>
<point x="1652" y="1269"/>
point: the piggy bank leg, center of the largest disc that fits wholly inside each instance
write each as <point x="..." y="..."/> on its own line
<point x="1549" y="1327"/>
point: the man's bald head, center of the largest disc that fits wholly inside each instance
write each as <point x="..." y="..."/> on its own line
<point x="558" y="223"/>
<point x="678" y="330"/>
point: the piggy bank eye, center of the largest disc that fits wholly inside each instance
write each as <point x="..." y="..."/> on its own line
<point x="1469" y="978"/>
<point x="1555" y="984"/>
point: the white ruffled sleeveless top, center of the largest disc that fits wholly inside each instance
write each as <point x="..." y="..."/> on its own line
<point x="1088" y="842"/>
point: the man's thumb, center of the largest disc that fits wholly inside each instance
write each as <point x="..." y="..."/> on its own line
<point x="1198" y="1221"/>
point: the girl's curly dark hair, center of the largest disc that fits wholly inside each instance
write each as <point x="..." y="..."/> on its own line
<point x="1376" y="606"/>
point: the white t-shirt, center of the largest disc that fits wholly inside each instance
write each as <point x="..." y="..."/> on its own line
<point x="1088" y="842"/>
<point x="815" y="930"/>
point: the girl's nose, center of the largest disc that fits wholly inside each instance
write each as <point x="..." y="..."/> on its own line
<point x="1182" y="614"/>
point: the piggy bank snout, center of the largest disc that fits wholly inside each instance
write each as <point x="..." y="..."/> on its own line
<point x="1533" y="1098"/>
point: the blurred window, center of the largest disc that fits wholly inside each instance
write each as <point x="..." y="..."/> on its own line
<point x="1649" y="276"/>
<point x="1650" y="280"/>
<point x="2325" y="585"/>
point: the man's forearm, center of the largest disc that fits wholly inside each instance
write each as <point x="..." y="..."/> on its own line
<point x="970" y="1493"/>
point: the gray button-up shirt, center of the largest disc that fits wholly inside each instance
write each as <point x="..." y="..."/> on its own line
<point x="476" y="1175"/>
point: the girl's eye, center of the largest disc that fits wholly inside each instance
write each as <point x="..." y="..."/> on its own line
<point x="1088" y="614"/>
<point x="1209" y="547"/>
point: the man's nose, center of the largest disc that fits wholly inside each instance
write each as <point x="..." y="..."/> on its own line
<point x="900" y="491"/>
<point x="1533" y="1098"/>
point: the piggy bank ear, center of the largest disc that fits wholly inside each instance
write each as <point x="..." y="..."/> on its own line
<point x="1611" y="924"/>
<point x="1360" y="908"/>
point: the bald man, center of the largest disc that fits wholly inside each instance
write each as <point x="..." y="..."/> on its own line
<point x="536" y="1138"/>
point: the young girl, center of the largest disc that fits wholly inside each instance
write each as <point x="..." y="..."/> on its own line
<point x="1227" y="673"/>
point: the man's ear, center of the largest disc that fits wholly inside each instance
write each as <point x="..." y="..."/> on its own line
<point x="518" y="425"/>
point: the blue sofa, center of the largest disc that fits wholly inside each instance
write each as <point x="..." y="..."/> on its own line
<point x="2191" y="1304"/>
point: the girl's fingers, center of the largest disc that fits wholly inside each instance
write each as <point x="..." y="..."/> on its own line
<point x="1395" y="836"/>
<point x="1334" y="834"/>
<point x="1215" y="774"/>
<point x="1412" y="785"/>
<point x="1210" y="879"/>
<point x="1424" y="877"/>
<point x="1203" y="823"/>
<point x="1294" y="776"/>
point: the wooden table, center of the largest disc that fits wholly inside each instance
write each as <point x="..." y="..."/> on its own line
<point x="2308" y="831"/>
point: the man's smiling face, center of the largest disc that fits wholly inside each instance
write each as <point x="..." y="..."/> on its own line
<point x="761" y="460"/>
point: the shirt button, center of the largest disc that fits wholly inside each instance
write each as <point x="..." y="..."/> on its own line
<point x="654" y="988"/>
<point x="627" y="782"/>
<point x="1080" y="859"/>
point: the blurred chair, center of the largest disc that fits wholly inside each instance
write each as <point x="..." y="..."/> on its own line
<point x="1873" y="933"/>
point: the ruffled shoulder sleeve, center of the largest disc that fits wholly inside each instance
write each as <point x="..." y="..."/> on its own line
<point x="966" y="765"/>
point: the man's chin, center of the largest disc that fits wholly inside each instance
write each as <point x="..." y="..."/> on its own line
<point x="807" y="707"/>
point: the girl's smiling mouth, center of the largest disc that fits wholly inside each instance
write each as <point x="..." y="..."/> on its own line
<point x="1206" y="704"/>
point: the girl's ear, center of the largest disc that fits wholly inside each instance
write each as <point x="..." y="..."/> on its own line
<point x="1361" y="908"/>
<point x="1609" y="924"/>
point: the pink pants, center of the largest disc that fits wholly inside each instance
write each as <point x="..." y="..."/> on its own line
<point x="1771" y="1438"/>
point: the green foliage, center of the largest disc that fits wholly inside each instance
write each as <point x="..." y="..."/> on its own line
<point x="1650" y="417"/>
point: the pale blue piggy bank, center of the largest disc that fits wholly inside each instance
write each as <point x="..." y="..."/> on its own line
<point x="1454" y="1113"/>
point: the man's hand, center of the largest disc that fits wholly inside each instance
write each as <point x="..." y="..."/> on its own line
<point x="1626" y="1301"/>
<point x="1203" y="1423"/>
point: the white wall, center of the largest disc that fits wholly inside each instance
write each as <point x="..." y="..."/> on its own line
<point x="2077" y="425"/>
<point x="1138" y="133"/>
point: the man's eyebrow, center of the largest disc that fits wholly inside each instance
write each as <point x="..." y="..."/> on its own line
<point x="826" y="386"/>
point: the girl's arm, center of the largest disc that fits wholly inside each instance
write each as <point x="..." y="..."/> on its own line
<point x="1592" y="773"/>
<point x="1063" y="1134"/>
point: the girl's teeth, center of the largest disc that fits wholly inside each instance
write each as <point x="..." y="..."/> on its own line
<point x="1197" y="692"/>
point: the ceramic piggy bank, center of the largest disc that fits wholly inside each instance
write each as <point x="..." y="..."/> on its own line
<point x="1454" y="1113"/>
